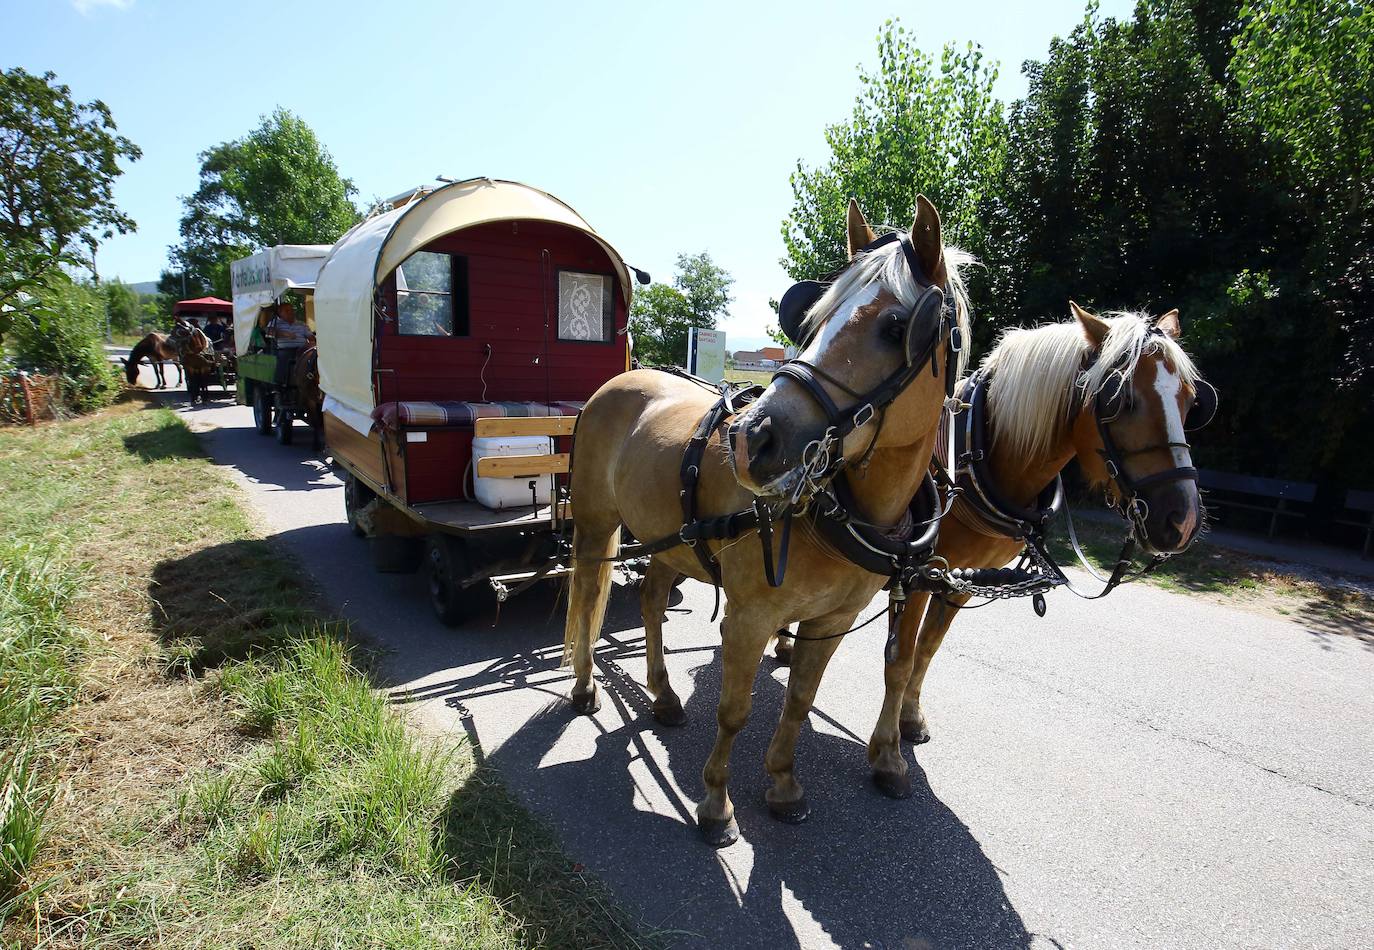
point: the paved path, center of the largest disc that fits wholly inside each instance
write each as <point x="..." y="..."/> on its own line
<point x="1149" y="771"/>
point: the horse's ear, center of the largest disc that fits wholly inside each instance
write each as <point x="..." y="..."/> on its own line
<point x="1169" y="325"/>
<point x="926" y="239"/>
<point x="1094" y="328"/>
<point x="860" y="234"/>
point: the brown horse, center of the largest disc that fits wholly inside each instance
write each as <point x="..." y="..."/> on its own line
<point x="305" y="377"/>
<point x="158" y="350"/>
<point x="629" y="449"/>
<point x="195" y="353"/>
<point x="1042" y="409"/>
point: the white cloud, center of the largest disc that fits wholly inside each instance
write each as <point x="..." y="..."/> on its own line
<point x="86" y="6"/>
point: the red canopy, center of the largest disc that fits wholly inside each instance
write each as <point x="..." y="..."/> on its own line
<point x="203" y="305"/>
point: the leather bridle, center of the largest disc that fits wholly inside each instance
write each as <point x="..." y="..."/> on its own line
<point x="927" y="323"/>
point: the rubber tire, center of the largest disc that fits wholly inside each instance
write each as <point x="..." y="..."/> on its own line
<point x="357" y="496"/>
<point x="397" y="553"/>
<point x="262" y="409"/>
<point x="283" y="421"/>
<point x="448" y="563"/>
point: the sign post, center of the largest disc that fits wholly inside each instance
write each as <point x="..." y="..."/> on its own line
<point x="706" y="353"/>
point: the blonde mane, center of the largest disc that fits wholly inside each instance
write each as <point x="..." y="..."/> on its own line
<point x="1037" y="377"/>
<point x="886" y="264"/>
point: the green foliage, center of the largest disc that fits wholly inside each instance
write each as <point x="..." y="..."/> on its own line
<point x="123" y="309"/>
<point x="661" y="315"/>
<point x="277" y="185"/>
<point x="60" y="332"/>
<point x="58" y="163"/>
<point x="920" y="125"/>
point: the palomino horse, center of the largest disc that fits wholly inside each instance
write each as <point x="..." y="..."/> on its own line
<point x="1117" y="393"/>
<point x="195" y="353"/>
<point x="158" y="350"/>
<point x="629" y="454"/>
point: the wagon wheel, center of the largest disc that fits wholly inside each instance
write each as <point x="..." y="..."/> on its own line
<point x="286" y="415"/>
<point x="262" y="409"/>
<point x="357" y="496"/>
<point x="447" y="564"/>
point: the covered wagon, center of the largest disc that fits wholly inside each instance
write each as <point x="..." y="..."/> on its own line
<point x="459" y="334"/>
<point x="266" y="354"/>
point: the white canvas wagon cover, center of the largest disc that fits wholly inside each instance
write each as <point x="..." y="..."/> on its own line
<point x="362" y="259"/>
<point x="262" y="278"/>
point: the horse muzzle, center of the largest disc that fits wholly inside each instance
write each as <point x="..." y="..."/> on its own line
<point x="1172" y="517"/>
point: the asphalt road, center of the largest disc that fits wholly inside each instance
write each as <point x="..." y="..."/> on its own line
<point x="1146" y="771"/>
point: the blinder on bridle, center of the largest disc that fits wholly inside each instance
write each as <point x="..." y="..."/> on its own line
<point x="924" y="325"/>
<point x="1114" y="399"/>
<point x="797" y="302"/>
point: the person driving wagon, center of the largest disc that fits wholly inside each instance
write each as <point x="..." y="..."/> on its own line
<point x="286" y="331"/>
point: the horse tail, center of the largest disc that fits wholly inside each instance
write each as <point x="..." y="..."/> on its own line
<point x="144" y="347"/>
<point x="589" y="591"/>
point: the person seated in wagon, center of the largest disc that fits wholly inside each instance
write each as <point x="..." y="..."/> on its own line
<point x="286" y="330"/>
<point x="217" y="332"/>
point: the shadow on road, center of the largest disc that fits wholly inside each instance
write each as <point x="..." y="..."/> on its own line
<point x="868" y="871"/>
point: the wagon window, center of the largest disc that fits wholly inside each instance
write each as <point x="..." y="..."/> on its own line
<point x="586" y="307"/>
<point x="431" y="295"/>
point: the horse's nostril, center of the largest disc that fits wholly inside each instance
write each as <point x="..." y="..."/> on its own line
<point x="759" y="437"/>
<point x="1173" y="528"/>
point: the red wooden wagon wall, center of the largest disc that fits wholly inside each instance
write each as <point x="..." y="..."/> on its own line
<point x="509" y="287"/>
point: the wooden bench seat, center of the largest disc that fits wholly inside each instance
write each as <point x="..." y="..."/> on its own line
<point x="1272" y="496"/>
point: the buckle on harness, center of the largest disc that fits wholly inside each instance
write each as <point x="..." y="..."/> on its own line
<point x="864" y="415"/>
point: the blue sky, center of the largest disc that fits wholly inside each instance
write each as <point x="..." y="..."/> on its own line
<point x="670" y="127"/>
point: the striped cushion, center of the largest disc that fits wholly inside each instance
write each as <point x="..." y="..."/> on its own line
<point x="395" y="415"/>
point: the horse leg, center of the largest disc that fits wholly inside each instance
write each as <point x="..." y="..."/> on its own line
<point x="653" y="600"/>
<point x="786" y="799"/>
<point x="157" y="372"/>
<point x="587" y="595"/>
<point x="885" y="745"/>
<point x="177" y="364"/>
<point x="743" y="642"/>
<point x="933" y="630"/>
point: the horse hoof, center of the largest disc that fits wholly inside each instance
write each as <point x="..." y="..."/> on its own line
<point x="892" y="784"/>
<point x="914" y="732"/>
<point x="669" y="714"/>
<point x="782" y="653"/>
<point x="718" y="832"/>
<point x="586" y="704"/>
<point x="792" y="813"/>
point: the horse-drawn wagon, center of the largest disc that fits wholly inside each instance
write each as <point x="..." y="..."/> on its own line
<point x="268" y="341"/>
<point x="459" y="334"/>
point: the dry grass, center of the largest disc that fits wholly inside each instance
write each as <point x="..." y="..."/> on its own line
<point x="224" y="775"/>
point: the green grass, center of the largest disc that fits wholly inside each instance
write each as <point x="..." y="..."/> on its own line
<point x="229" y="775"/>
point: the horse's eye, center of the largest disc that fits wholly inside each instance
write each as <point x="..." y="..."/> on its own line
<point x="894" y="326"/>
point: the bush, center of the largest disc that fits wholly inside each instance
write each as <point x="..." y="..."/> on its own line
<point x="60" y="332"/>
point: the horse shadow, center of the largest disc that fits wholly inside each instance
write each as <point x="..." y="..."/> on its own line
<point x="863" y="871"/>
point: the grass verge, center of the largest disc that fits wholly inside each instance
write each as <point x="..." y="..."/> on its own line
<point x="194" y="757"/>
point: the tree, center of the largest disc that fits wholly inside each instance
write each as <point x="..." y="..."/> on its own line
<point x="123" y="309"/>
<point x="277" y="185"/>
<point x="920" y="125"/>
<point x="58" y="163"/>
<point x="662" y="315"/>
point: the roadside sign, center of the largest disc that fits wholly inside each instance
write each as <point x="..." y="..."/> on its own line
<point x="706" y="353"/>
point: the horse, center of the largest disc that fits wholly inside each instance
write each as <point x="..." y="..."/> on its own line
<point x="305" y="377"/>
<point x="1118" y="393"/>
<point x="158" y="350"/>
<point x="867" y="341"/>
<point x="196" y="354"/>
